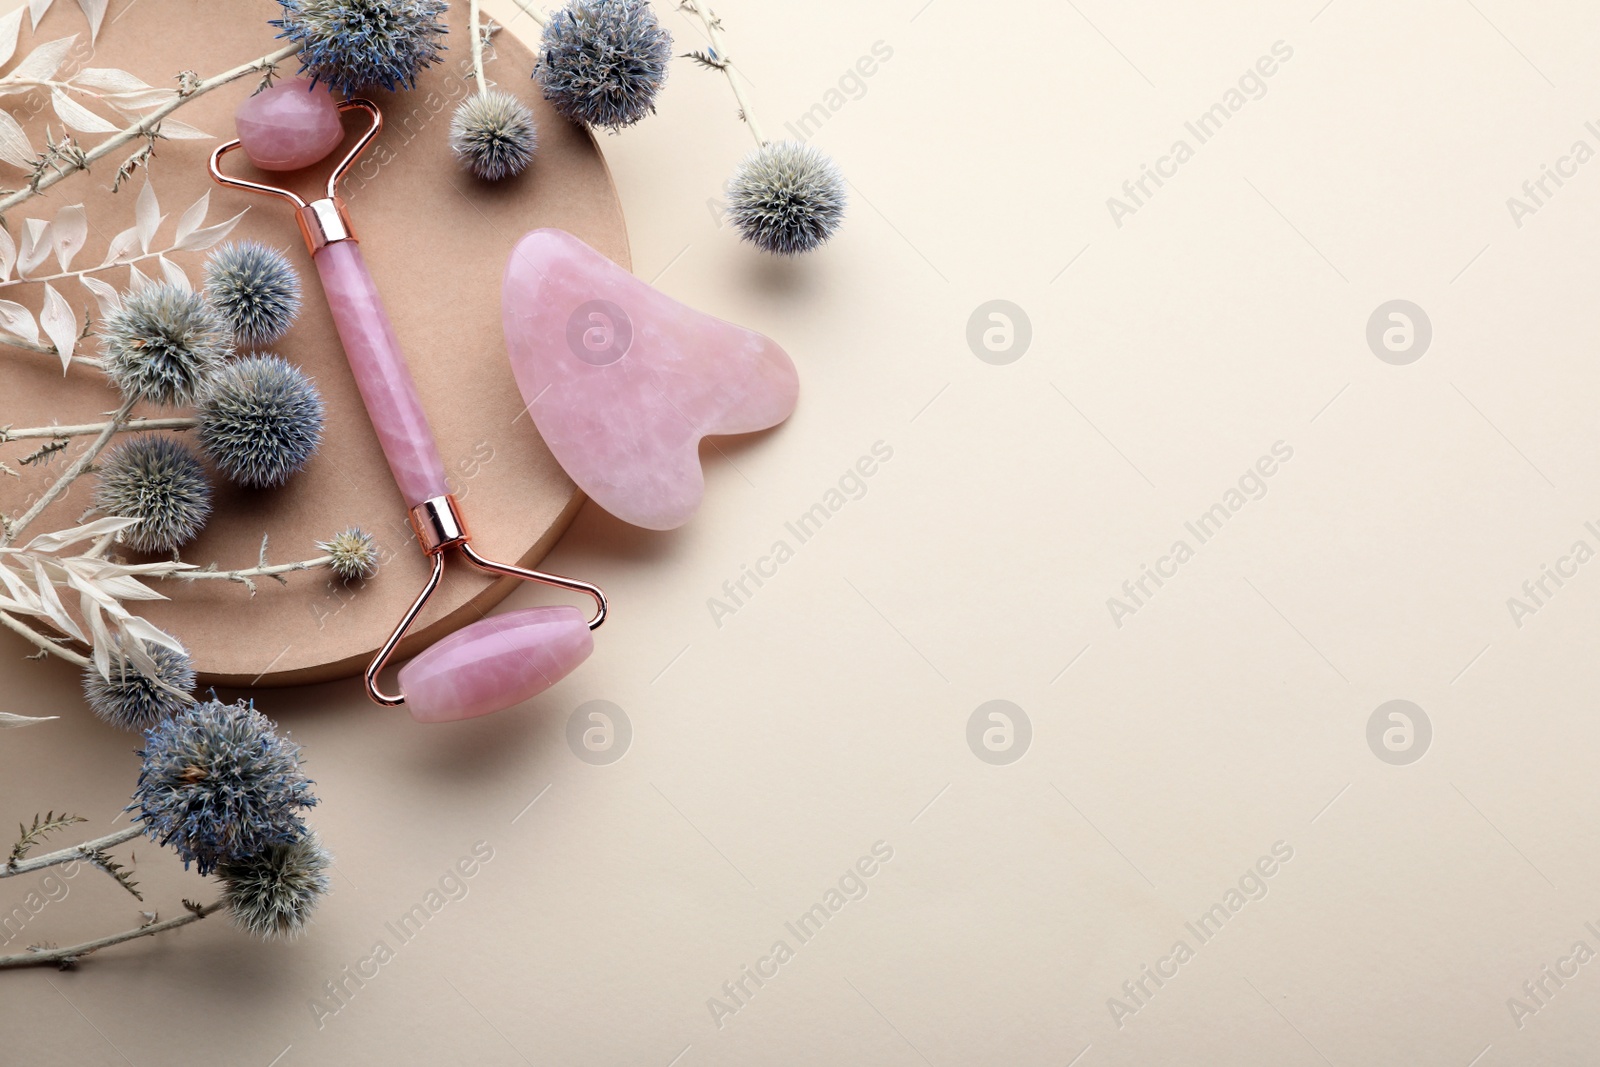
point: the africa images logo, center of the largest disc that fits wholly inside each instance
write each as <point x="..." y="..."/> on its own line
<point x="1137" y="192"/>
<point x="1138" y="991"/>
<point x="851" y="886"/>
<point x="1252" y="485"/>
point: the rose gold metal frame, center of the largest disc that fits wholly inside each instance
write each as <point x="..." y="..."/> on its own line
<point x="437" y="521"/>
<point x="325" y="221"/>
<point x="439" y="528"/>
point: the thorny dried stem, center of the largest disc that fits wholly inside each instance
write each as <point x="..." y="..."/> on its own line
<point x="53" y="433"/>
<point x="246" y="575"/>
<point x="717" y="58"/>
<point x="80" y="852"/>
<point x="66" y="956"/>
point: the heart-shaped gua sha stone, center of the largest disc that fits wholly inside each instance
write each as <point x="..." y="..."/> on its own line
<point x="623" y="381"/>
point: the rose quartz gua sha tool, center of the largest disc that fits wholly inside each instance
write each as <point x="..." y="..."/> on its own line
<point x="623" y="381"/>
<point x="496" y="662"/>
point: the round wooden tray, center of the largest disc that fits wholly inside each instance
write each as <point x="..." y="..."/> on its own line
<point x="436" y="241"/>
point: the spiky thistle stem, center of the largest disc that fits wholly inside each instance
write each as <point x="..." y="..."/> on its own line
<point x="718" y="57"/>
<point x="80" y="852"/>
<point x="274" y="570"/>
<point x="246" y="575"/>
<point x="67" y="955"/>
<point x="52" y="433"/>
<point x="475" y="26"/>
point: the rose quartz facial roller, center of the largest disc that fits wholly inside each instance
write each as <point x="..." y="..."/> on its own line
<point x="498" y="661"/>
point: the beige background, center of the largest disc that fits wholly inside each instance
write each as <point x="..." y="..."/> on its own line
<point x="830" y="711"/>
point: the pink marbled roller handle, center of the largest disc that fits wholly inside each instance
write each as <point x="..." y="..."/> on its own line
<point x="381" y="373"/>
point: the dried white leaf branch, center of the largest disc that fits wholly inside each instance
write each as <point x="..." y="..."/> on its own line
<point x="62" y="237"/>
<point x="60" y="160"/>
<point x="35" y="576"/>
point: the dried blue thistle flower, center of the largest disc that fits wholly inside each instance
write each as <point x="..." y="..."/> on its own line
<point x="257" y="290"/>
<point x="354" y="552"/>
<point x="273" y="894"/>
<point x="163" y="344"/>
<point x="218" y="785"/>
<point x="357" y="44"/>
<point x="786" y="198"/>
<point x="260" y="420"/>
<point x="134" y="701"/>
<point x="602" y="62"/>
<point x="160" y="482"/>
<point x="493" y="135"/>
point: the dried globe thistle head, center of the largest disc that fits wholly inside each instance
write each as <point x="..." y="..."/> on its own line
<point x="273" y="893"/>
<point x="603" y="61"/>
<point x="493" y="135"/>
<point x="354" y="552"/>
<point x="160" y="482"/>
<point x="260" y="420"/>
<point x="218" y="784"/>
<point x="357" y="44"/>
<point x="786" y="197"/>
<point x="163" y="343"/>
<point x="256" y="289"/>
<point x="134" y="701"/>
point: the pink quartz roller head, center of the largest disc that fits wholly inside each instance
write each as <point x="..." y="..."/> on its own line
<point x="289" y="125"/>
<point x="495" y="662"/>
